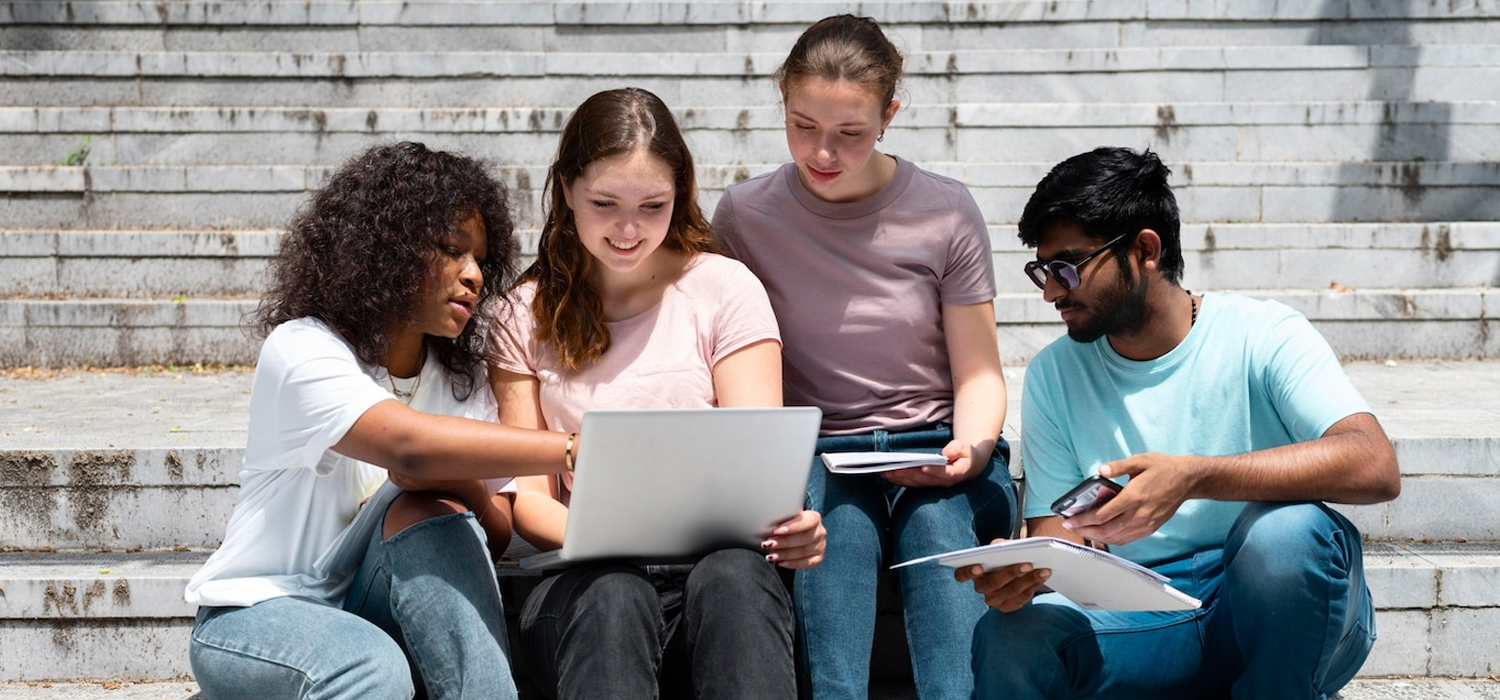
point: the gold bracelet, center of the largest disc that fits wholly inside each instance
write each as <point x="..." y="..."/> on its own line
<point x="568" y="451"/>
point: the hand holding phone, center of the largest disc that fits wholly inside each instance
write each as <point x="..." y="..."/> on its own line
<point x="1093" y="492"/>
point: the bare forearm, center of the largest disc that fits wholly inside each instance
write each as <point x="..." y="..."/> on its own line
<point x="1352" y="463"/>
<point x="540" y="519"/>
<point x="425" y="446"/>
<point x="979" y="406"/>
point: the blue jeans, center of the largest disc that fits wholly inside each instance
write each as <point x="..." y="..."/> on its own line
<point x="423" y="611"/>
<point x="871" y="524"/>
<point x="1285" y="614"/>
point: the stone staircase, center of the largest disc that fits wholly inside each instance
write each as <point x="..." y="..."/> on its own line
<point x="1336" y="155"/>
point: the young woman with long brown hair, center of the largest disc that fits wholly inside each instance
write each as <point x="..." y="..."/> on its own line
<point x="629" y="306"/>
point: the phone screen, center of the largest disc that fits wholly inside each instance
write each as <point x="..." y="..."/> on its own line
<point x="1092" y="493"/>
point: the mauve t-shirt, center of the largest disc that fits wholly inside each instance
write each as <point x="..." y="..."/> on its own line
<point x="858" y="289"/>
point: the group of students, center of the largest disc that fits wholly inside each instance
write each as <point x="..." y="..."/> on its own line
<point x="400" y="345"/>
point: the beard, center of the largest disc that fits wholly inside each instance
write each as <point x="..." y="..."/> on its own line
<point x="1121" y="310"/>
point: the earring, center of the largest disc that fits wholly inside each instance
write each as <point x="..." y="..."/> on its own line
<point x="881" y="137"/>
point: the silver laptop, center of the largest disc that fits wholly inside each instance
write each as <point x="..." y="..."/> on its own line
<point x="663" y="485"/>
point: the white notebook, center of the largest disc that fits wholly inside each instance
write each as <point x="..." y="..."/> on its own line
<point x="1094" y="579"/>
<point x="872" y="462"/>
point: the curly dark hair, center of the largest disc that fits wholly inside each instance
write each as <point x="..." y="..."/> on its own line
<point x="569" y="313"/>
<point x="359" y="253"/>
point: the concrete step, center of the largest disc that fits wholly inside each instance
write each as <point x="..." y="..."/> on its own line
<point x="454" y="79"/>
<point x="121" y="615"/>
<point x="296" y="13"/>
<point x="124" y="460"/>
<point x="1360" y="324"/>
<point x="1358" y="689"/>
<point x="79" y="452"/>
<point x="125" y="332"/>
<point x="57" y="264"/>
<point x="264" y="196"/>
<point x="759" y="26"/>
<point x="1354" y="131"/>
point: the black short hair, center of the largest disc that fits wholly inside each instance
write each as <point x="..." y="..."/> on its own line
<point x="1107" y="192"/>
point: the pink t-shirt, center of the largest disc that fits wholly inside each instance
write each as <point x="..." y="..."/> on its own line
<point x="858" y="289"/>
<point x="662" y="358"/>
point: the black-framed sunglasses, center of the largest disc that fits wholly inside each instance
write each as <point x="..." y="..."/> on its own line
<point x="1066" y="273"/>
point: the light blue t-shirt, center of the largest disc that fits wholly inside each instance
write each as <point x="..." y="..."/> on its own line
<point x="1251" y="375"/>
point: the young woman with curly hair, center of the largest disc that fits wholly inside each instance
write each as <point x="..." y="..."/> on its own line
<point x="629" y="306"/>
<point x="373" y="366"/>
<point x="881" y="277"/>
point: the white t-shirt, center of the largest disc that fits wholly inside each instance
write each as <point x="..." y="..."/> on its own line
<point x="296" y="495"/>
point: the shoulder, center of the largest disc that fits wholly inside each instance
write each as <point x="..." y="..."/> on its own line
<point x="1049" y="369"/>
<point x="928" y="184"/>
<point x="767" y="185"/>
<point x="305" y="337"/>
<point x="711" y="271"/>
<point x="1260" y="321"/>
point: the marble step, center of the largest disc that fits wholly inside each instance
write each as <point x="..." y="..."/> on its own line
<point x="63" y="264"/>
<point x="150" y="459"/>
<point x="1354" y="131"/>
<point x="264" y="196"/>
<point x="69" y="615"/>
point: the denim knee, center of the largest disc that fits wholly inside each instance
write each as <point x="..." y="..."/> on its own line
<point x="1009" y="651"/>
<point x="294" y="648"/>
<point x="1279" y="544"/>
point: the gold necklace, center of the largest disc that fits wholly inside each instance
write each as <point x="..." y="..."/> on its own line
<point x="404" y="396"/>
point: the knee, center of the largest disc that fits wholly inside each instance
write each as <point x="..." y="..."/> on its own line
<point x="1282" y="542"/>
<point x="734" y="575"/>
<point x="1008" y="645"/>
<point x="381" y="671"/>
<point x="414" y="507"/>
<point x="616" y="594"/>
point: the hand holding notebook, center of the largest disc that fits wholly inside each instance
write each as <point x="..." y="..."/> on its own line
<point x="873" y="462"/>
<point x="1093" y="579"/>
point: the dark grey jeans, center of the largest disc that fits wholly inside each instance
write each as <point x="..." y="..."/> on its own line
<point x="720" y="628"/>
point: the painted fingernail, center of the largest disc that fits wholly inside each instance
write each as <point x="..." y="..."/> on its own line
<point x="768" y="544"/>
<point x="772" y="557"/>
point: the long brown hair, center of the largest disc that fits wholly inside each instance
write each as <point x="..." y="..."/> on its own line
<point x="569" y="313"/>
<point x="844" y="47"/>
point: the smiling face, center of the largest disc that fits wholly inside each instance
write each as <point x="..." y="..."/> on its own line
<point x="622" y="206"/>
<point x="454" y="281"/>
<point x="1110" y="298"/>
<point x="831" y="129"/>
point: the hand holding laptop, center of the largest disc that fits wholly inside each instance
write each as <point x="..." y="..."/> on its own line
<point x="798" y="542"/>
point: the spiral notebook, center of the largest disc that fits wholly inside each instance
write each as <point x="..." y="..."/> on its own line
<point x="1094" y="579"/>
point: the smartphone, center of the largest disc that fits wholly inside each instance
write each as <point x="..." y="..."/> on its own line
<point x="1095" y="491"/>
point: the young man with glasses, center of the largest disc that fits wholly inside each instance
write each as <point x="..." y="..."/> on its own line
<point x="1228" y="420"/>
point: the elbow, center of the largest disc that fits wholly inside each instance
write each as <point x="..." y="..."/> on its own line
<point x="1383" y="482"/>
<point x="407" y="456"/>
